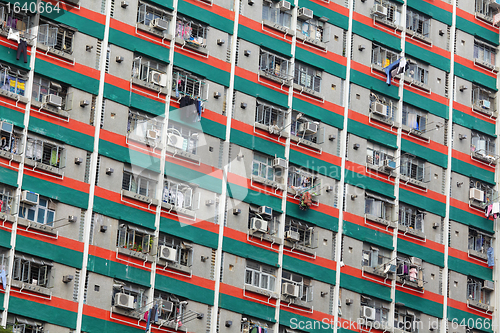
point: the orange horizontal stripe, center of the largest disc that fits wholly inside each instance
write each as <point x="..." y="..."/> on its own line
<point x="468" y="110"/>
<point x="257" y="26"/>
<point x="465" y="257"/>
<point x="472" y="18"/>
<point x="66" y="182"/>
<point x="470" y="64"/>
<point x="463" y="306"/>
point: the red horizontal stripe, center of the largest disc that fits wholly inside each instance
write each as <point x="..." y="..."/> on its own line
<point x="55" y="302"/>
<point x="111" y="256"/>
<point x="213" y="8"/>
<point x="465" y="257"/>
<point x="195" y="280"/>
<point x="466" y="207"/>
<point x="472" y="18"/>
<point x="66" y="182"/>
<point x="428" y="243"/>
<point x="76" y="67"/>
<point x="230" y="290"/>
<point x="468" y="110"/>
<point x="132" y="31"/>
<point x="257" y="26"/>
<point x="379" y="26"/>
<point x="463" y="306"/>
<point x="469" y="160"/>
<point x="470" y="64"/>
<point x="361" y="170"/>
<point x="432" y="48"/>
<point x="243" y="237"/>
<point x="360" y="220"/>
<point x="61" y="241"/>
<point x="367" y="70"/>
<point x="72" y="124"/>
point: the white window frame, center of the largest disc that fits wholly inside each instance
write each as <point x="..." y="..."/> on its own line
<point x="382" y="56"/>
<point x="192" y="32"/>
<point x="305" y="285"/>
<point x="479" y="93"/>
<point x="190" y="85"/>
<point x="482" y="144"/>
<point x="318" y="137"/>
<point x="308" y="237"/>
<point x="56" y="36"/>
<point x="483" y="7"/>
<point x="272" y="13"/>
<point x="139" y="293"/>
<point x="485" y="52"/>
<point x="139" y="184"/>
<point x="269" y="115"/>
<point x="373" y="256"/>
<point x="414" y="118"/>
<point x="418" y="22"/>
<point x="147" y="13"/>
<point x="479" y="241"/>
<point x="178" y="312"/>
<point x="142" y="68"/>
<point x="392" y="106"/>
<point x="7" y="196"/>
<point x="178" y="194"/>
<point x="381" y="310"/>
<point x="190" y="136"/>
<point x="406" y="320"/>
<point x="307" y="77"/>
<point x="139" y="123"/>
<point x="13" y="80"/>
<point x="379" y="207"/>
<point x="43" y="87"/>
<point x="417" y="72"/>
<point x="11" y="139"/>
<point x="42" y="151"/>
<point x="256" y="273"/>
<point x="490" y="193"/>
<point x="411" y="217"/>
<point x="475" y="289"/>
<point x="131" y="237"/>
<point x="393" y="12"/>
<point x="32" y="271"/>
<point x="262" y="166"/>
<point x="377" y="154"/>
<point x="315" y="29"/>
<point x="39" y="213"/>
<point x="28" y="20"/>
<point x="275" y="65"/>
<point x="415" y="168"/>
<point x="184" y="249"/>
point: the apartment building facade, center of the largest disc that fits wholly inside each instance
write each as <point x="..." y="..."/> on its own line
<point x="248" y="166"/>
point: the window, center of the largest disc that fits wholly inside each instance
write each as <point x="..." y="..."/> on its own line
<point x="57" y="36"/>
<point x="479" y="241"/>
<point x="186" y="84"/>
<point x="414" y="118"/>
<point x="43" y="87"/>
<point x="32" y="271"/>
<point x="374" y="257"/>
<point x="411" y="217"/>
<point x="134" y="238"/>
<point x="483" y="7"/>
<point x="139" y="184"/>
<point x="178" y="194"/>
<point x="17" y="20"/>
<point x="410" y="270"/>
<point x="483" y="99"/>
<point x="484" y="195"/>
<point x="262" y="166"/>
<point x="417" y="72"/>
<point x="271" y="222"/>
<point x="406" y="320"/>
<point x="314" y="29"/>
<point x="482" y="144"/>
<point x="146" y="14"/>
<point x="383" y="106"/>
<point x="268" y="115"/>
<point x="184" y="250"/>
<point x="378" y="207"/>
<point x="178" y="315"/>
<point x="142" y="126"/>
<point x="193" y="33"/>
<point x="304" y="284"/>
<point x="45" y="152"/>
<point x="40" y="213"/>
<point x="307" y="77"/>
<point x="11" y="140"/>
<point x="147" y="70"/>
<point x="274" y="65"/>
<point x="188" y="137"/>
<point x="138" y="293"/>
<point x="25" y="325"/>
<point x="272" y="13"/>
<point x="307" y="128"/>
<point x="302" y="180"/>
<point x="415" y="168"/>
<point x="484" y="52"/>
<point x="418" y="22"/>
<point x="381" y="309"/>
<point x="383" y="57"/>
<point x="13" y="80"/>
<point x="260" y="276"/>
<point x="476" y="292"/>
<point x="393" y="12"/>
<point x="7" y="195"/>
<point x="377" y="154"/>
<point x="300" y="233"/>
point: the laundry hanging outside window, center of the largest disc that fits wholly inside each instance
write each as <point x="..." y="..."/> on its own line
<point x="397" y="67"/>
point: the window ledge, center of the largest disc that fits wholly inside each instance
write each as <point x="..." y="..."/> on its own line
<point x="7" y="217"/>
<point x="5" y="32"/>
<point x="148" y="142"/>
<point x="378" y="272"/>
<point x="413" y="232"/>
<point x="388" y="23"/>
<point x="373" y="218"/>
<point x="406" y="281"/>
<point x="183" y="154"/>
<point x="484" y="17"/>
<point x="178" y="210"/>
<point x="13" y="96"/>
<point x="174" y="266"/>
<point x="383" y="119"/>
<point x="150" y="86"/>
<point x="266" y="128"/>
<point x="44" y="167"/>
<point x="485" y="158"/>
<point x="265" y="236"/>
<point x="418" y="36"/>
<point x="298" y="247"/>
<point x="477" y="204"/>
<point x="10" y="156"/>
<point x="135" y="254"/>
<point x="307" y="91"/>
<point x="484" y="64"/>
<point x="35" y="225"/>
<point x="310" y="40"/>
<point x="487" y="112"/>
<point x="143" y="198"/>
<point x="268" y="182"/>
<point x="296" y="301"/>
<point x="305" y="142"/>
<point x="30" y="287"/>
<point x="285" y="82"/>
<point x="416" y="84"/>
<point x="51" y="50"/>
<point x="293" y="191"/>
<point x="414" y="132"/>
<point x="478" y="254"/>
<point x="261" y="291"/>
<point x="479" y="305"/>
<point x="379" y="168"/>
<point x="49" y="108"/>
<point x="127" y="312"/>
<point x="154" y="31"/>
<point x="172" y="324"/>
<point x="278" y="27"/>
<point x="198" y="48"/>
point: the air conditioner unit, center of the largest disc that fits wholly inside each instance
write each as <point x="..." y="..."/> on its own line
<point x="380" y="109"/>
<point x="7" y="127"/>
<point x="289" y="289"/>
<point x="29" y="198"/>
<point x="476" y="194"/>
<point x="158" y="78"/>
<point x="280" y="163"/>
<point x="53" y="100"/>
<point x="159" y="24"/>
<point x="389" y="164"/>
<point x="292" y="235"/>
<point x="265" y="210"/>
<point x="305" y="14"/>
<point x="308" y="128"/>
<point x="167" y="306"/>
<point x="257" y="224"/>
<point x="124" y="301"/>
<point x="484" y="103"/>
<point x="416" y="261"/>
<point x="380" y="11"/>
<point x="489" y="285"/>
<point x="285" y="5"/>
<point x="168" y="253"/>
<point x="175" y="140"/>
<point x="152" y="134"/>
<point x="368" y="313"/>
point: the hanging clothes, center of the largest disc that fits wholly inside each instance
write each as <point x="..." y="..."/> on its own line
<point x="148" y="320"/>
<point x="4" y="278"/>
<point x="413" y="274"/>
<point x="491" y="257"/>
<point x="488" y="210"/>
<point x="495" y="208"/>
